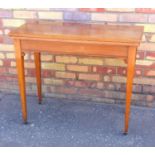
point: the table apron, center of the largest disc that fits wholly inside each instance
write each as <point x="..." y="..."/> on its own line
<point x="73" y="48"/>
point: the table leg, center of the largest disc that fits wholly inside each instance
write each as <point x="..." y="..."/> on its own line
<point x="38" y="74"/>
<point x="130" y="76"/>
<point x="21" y="77"/>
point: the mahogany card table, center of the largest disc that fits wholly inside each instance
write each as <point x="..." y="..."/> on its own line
<point x="79" y="39"/>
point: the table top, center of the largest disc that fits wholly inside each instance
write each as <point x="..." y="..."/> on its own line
<point x="79" y="31"/>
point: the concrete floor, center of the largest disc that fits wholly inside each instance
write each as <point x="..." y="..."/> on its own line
<point x="62" y="122"/>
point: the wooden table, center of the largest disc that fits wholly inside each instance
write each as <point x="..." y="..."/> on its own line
<point x="70" y="38"/>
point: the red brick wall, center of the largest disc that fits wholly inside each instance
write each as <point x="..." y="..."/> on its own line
<point x="85" y="78"/>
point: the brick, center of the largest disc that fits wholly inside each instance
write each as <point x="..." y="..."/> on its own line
<point x="115" y="95"/>
<point x="53" y="81"/>
<point x="114" y="62"/>
<point x="150" y="98"/>
<point x="6" y="63"/>
<point x="150" y="55"/>
<point x="12" y="22"/>
<point x="50" y="15"/>
<point x="147" y="47"/>
<point x="77" y="16"/>
<point x="104" y="17"/>
<point x="90" y="61"/>
<point x="128" y="17"/>
<point x="119" y="79"/>
<point x="120" y="9"/>
<point x="53" y="66"/>
<point x="140" y="55"/>
<point x="64" y="90"/>
<point x="66" y="59"/>
<point x="30" y="79"/>
<point x="145" y="80"/>
<point x="100" y="85"/>
<point x="144" y="63"/>
<point x="145" y="10"/>
<point x="89" y="77"/>
<point x="149" y="73"/>
<point x="12" y="71"/>
<point x="92" y="9"/>
<point x="152" y="38"/>
<point x="2" y="56"/>
<point x="47" y="73"/>
<point x="24" y="14"/>
<point x="80" y="84"/>
<point x="6" y="47"/>
<point x="5" y="14"/>
<point x="65" y="75"/>
<point x="77" y="68"/>
<point x="151" y="18"/>
<point x="104" y="70"/>
<point x="29" y="65"/>
<point x="10" y="55"/>
<point x="148" y="27"/>
<point x="91" y="92"/>
<point x="149" y="89"/>
<point x="107" y="78"/>
<point x="13" y="64"/>
<point x="46" y="57"/>
<point x="1" y="63"/>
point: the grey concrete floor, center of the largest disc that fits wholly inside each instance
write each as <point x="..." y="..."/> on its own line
<point x="63" y="122"/>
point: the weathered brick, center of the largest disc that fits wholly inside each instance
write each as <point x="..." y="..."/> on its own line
<point x="79" y="16"/>
<point x="64" y="90"/>
<point x="66" y="59"/>
<point x="30" y="79"/>
<point x="53" y="81"/>
<point x="12" y="22"/>
<point x="89" y="77"/>
<point x="114" y="94"/>
<point x="24" y="14"/>
<point x="46" y="57"/>
<point x="140" y="55"/>
<point x="12" y="70"/>
<point x="145" y="10"/>
<point x="104" y="17"/>
<point x="107" y="78"/>
<point x="53" y="66"/>
<point x="114" y="62"/>
<point x="149" y="73"/>
<point x="92" y="9"/>
<point x="149" y="89"/>
<point x="29" y="65"/>
<point x="148" y="27"/>
<point x="65" y="75"/>
<point x="147" y="47"/>
<point x="147" y="63"/>
<point x="1" y="63"/>
<point x="50" y="15"/>
<point x="5" y="14"/>
<point x="152" y="38"/>
<point x="77" y="68"/>
<point x="128" y="17"/>
<point x="151" y="18"/>
<point x="81" y="84"/>
<point x="120" y="9"/>
<point x="10" y="55"/>
<point x="2" y="56"/>
<point x="6" y="47"/>
<point x="90" y="61"/>
<point x="104" y="70"/>
<point x="150" y="55"/>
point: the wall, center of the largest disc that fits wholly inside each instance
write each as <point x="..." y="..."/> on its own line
<point x="85" y="78"/>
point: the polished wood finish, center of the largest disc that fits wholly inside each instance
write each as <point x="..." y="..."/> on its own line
<point x="38" y="74"/>
<point x="81" y="39"/>
<point x="21" y="77"/>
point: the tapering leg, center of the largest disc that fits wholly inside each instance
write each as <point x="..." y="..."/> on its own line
<point x="130" y="76"/>
<point x="21" y="78"/>
<point x="38" y="74"/>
